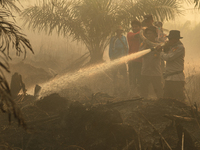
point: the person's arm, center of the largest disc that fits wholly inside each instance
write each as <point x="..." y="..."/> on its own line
<point x="177" y="51"/>
<point x="131" y="36"/>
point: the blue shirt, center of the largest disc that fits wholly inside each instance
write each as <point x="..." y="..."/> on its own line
<point x="117" y="49"/>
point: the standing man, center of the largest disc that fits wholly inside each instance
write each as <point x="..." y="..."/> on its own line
<point x="174" y="53"/>
<point x="149" y="21"/>
<point x="151" y="66"/>
<point x="134" y="66"/>
<point x="118" y="48"/>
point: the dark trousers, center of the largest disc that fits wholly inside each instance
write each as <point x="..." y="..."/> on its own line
<point x="134" y="73"/>
<point x="174" y="89"/>
<point x="157" y="86"/>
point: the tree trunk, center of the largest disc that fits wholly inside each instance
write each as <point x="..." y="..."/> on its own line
<point x="96" y="56"/>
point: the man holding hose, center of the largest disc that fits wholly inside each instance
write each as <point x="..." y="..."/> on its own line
<point x="174" y="53"/>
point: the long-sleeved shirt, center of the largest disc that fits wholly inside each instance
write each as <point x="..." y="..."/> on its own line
<point x="175" y="61"/>
<point x="134" y="43"/>
<point x="118" y="49"/>
<point x="151" y="62"/>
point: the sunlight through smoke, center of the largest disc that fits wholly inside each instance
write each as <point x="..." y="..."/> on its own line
<point x="60" y="83"/>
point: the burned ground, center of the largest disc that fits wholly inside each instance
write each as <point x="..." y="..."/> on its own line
<point x="55" y="122"/>
<point x="87" y="117"/>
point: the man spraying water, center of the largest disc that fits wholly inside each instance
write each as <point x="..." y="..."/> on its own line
<point x="61" y="82"/>
<point x="151" y="66"/>
<point x="174" y="53"/>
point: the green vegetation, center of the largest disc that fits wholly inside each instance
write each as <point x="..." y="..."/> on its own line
<point x="11" y="39"/>
<point x="93" y="21"/>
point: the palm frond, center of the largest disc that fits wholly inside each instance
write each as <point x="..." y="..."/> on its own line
<point x="83" y="20"/>
<point x="160" y="9"/>
<point x="7" y="105"/>
<point x="10" y="5"/>
<point x="11" y="39"/>
<point x="93" y="21"/>
<point x="47" y="16"/>
<point x="197" y="3"/>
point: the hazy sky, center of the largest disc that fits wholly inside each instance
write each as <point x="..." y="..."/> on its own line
<point x="190" y="13"/>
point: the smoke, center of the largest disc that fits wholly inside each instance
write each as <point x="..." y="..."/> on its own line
<point x="61" y="82"/>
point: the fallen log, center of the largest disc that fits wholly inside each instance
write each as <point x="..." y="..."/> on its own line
<point x="179" y="118"/>
<point x="123" y="102"/>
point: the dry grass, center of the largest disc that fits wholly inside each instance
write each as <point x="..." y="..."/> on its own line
<point x="192" y="88"/>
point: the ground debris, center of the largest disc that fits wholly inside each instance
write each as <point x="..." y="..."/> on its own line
<point x="55" y="122"/>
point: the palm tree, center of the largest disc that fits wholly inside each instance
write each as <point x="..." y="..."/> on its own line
<point x="93" y="21"/>
<point x="195" y="2"/>
<point x="10" y="39"/>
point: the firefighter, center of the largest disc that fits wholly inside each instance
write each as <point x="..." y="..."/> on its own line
<point x="174" y="53"/>
<point x="151" y="66"/>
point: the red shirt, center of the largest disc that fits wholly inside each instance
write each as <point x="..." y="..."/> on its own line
<point x="134" y="43"/>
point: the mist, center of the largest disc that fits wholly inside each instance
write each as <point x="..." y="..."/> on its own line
<point x="71" y="98"/>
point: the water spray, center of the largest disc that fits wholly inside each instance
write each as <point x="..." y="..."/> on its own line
<point x="60" y="83"/>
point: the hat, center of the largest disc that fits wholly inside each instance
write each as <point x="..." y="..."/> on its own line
<point x="151" y="28"/>
<point x="148" y="17"/>
<point x="174" y="34"/>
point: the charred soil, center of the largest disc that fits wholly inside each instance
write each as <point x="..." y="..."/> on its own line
<point x="57" y="123"/>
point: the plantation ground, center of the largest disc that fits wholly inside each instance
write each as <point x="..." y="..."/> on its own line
<point x="87" y="116"/>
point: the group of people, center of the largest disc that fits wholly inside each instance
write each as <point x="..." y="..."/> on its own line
<point x="162" y="68"/>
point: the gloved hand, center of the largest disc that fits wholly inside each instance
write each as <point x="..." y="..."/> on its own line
<point x="166" y="47"/>
<point x="157" y="48"/>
